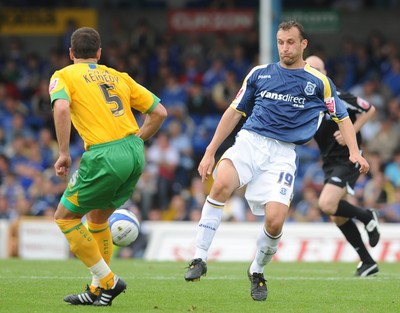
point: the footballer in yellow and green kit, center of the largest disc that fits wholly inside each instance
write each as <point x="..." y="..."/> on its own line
<point x="104" y="99"/>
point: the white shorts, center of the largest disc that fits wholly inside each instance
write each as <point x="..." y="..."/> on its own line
<point x="267" y="166"/>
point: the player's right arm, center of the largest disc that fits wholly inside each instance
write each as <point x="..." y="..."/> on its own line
<point x="226" y="125"/>
<point x="152" y="122"/>
<point x="62" y="123"/>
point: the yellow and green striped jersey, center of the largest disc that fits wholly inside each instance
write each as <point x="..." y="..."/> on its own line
<point x="101" y="99"/>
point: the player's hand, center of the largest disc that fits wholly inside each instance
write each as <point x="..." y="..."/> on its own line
<point x="361" y="162"/>
<point x="339" y="138"/>
<point x="62" y="165"/>
<point x="206" y="165"/>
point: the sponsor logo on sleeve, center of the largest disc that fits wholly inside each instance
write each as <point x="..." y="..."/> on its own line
<point x="239" y="94"/>
<point x="330" y="104"/>
<point x="362" y="103"/>
<point x="53" y="84"/>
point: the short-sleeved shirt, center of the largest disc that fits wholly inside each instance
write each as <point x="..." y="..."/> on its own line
<point x="101" y="101"/>
<point x="287" y="104"/>
<point x="327" y="143"/>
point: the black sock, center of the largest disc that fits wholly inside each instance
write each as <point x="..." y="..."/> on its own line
<point x="353" y="236"/>
<point x="346" y="209"/>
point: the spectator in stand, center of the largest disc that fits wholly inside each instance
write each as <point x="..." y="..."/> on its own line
<point x="164" y="159"/>
<point x="392" y="78"/>
<point x="42" y="194"/>
<point x="12" y="106"/>
<point x="143" y="37"/>
<point x="11" y="189"/>
<point x="5" y="211"/>
<point x="197" y="194"/>
<point x="4" y="167"/>
<point x="31" y="74"/>
<point x="174" y="98"/>
<point x="238" y="63"/>
<point x="392" y="169"/>
<point x="220" y="48"/>
<point x="224" y="91"/>
<point x="236" y="207"/>
<point x="393" y="112"/>
<point x="193" y="51"/>
<point x="377" y="191"/>
<point x="390" y="212"/>
<point x="146" y="191"/>
<point x="166" y="54"/>
<point x="48" y="147"/>
<point x="214" y="74"/>
<point x="198" y="103"/>
<point x="135" y="67"/>
<point x="181" y="141"/>
<point x="39" y="103"/>
<point x="11" y="72"/>
<point x="176" y="210"/>
<point x="306" y="210"/>
<point x="16" y="152"/>
<point x="386" y="141"/>
<point x="314" y="176"/>
<point x="372" y="91"/>
<point x="29" y="168"/>
<point x="18" y="129"/>
<point x="191" y="72"/>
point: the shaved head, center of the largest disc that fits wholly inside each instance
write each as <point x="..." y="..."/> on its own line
<point x="316" y="63"/>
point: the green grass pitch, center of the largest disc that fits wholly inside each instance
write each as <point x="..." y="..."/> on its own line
<point x="39" y="286"/>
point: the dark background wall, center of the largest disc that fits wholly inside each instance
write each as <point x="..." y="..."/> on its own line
<point x="356" y="24"/>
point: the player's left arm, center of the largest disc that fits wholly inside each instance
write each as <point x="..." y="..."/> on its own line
<point x="339" y="114"/>
<point x="364" y="117"/>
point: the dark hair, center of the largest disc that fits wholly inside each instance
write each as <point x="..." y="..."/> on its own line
<point x="85" y="42"/>
<point x="289" y="24"/>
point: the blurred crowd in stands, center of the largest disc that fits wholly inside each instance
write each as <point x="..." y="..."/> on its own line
<point x="196" y="80"/>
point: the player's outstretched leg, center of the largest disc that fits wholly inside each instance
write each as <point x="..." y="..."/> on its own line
<point x="85" y="298"/>
<point x="196" y="269"/>
<point x="108" y="295"/>
<point x="259" y="290"/>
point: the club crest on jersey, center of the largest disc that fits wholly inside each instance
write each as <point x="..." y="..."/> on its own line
<point x="283" y="191"/>
<point x="310" y="88"/>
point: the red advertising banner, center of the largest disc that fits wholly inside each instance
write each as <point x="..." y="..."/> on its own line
<point x="211" y="20"/>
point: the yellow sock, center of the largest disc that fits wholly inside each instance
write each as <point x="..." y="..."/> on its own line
<point x="102" y="234"/>
<point x="81" y="242"/>
<point x="108" y="282"/>
<point x="95" y="290"/>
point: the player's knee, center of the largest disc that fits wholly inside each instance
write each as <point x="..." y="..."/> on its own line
<point x="327" y="206"/>
<point x="221" y="190"/>
<point x="274" y="227"/>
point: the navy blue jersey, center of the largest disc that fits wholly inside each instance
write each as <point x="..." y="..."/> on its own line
<point x="287" y="104"/>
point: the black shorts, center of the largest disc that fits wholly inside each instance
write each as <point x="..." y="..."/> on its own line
<point x="340" y="172"/>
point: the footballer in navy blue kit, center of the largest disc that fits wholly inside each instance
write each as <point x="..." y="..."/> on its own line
<point x="284" y="103"/>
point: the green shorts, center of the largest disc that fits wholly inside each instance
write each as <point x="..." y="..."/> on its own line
<point x="106" y="177"/>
